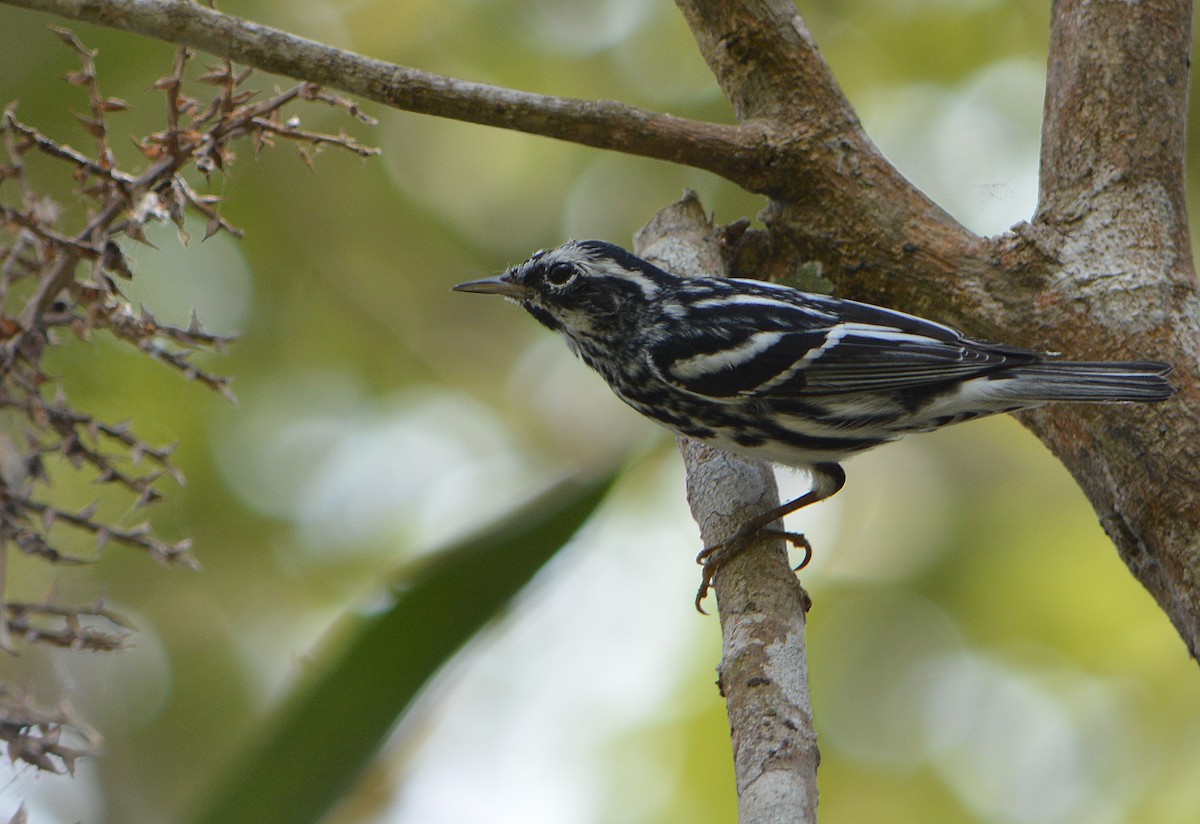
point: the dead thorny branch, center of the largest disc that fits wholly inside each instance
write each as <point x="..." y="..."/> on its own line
<point x="61" y="265"/>
<point x="49" y="740"/>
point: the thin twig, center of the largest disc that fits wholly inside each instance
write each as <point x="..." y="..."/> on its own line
<point x="73" y="156"/>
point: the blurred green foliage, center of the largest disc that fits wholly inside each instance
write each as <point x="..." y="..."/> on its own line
<point x="978" y="652"/>
<point x="320" y="741"/>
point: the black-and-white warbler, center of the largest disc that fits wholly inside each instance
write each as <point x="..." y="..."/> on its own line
<point x="790" y="377"/>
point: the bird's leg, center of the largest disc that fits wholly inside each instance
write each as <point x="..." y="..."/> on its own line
<point x="828" y="478"/>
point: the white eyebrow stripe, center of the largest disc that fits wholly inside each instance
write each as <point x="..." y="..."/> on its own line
<point x="699" y="366"/>
<point x="599" y="269"/>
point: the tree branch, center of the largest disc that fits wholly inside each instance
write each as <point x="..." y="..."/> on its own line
<point x="831" y="182"/>
<point x="1112" y="214"/>
<point x="732" y="152"/>
<point x="764" y="669"/>
<point x="768" y="65"/>
<point x="1104" y="271"/>
<point x="1110" y="204"/>
<point x="1116" y="104"/>
<point x="801" y="143"/>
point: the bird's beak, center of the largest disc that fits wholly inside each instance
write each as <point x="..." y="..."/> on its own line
<point x="500" y="285"/>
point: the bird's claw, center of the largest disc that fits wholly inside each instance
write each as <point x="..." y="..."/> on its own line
<point x="712" y="558"/>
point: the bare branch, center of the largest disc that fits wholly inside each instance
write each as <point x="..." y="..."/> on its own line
<point x="138" y="536"/>
<point x="764" y="671"/>
<point x="54" y="149"/>
<point x="768" y="65"/>
<point x="94" y="628"/>
<point x="46" y="739"/>
<point x="57" y="277"/>
<point x="730" y="151"/>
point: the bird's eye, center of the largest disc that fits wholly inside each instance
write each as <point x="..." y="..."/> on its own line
<point x="559" y="274"/>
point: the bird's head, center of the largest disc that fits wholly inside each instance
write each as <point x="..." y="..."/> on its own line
<point x="584" y="287"/>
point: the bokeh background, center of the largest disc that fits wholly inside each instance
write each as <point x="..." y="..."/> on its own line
<point x="978" y="652"/>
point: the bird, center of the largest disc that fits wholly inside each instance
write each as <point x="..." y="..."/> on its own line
<point x="766" y="371"/>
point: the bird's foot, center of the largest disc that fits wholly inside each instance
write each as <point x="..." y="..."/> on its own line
<point x="713" y="558"/>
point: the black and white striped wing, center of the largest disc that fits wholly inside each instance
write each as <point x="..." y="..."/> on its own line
<point x="827" y="346"/>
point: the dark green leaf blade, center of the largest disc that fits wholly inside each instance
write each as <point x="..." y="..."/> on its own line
<point x="327" y="732"/>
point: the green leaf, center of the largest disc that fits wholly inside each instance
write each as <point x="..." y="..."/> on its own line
<point x="327" y="732"/>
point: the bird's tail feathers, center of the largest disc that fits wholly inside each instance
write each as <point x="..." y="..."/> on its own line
<point x="1097" y="381"/>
